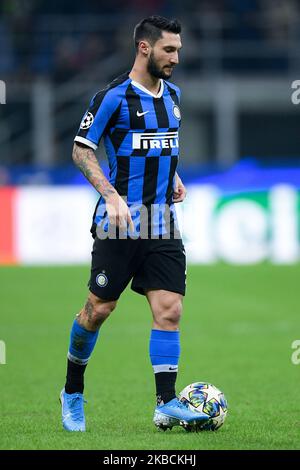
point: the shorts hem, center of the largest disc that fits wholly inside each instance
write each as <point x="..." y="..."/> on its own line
<point x="141" y="289"/>
<point x="103" y="297"/>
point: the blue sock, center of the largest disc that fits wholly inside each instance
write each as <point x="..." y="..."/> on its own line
<point x="82" y="343"/>
<point x="164" y="354"/>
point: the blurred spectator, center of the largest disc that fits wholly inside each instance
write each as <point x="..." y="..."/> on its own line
<point x="60" y="39"/>
<point x="280" y="18"/>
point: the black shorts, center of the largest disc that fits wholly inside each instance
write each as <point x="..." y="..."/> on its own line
<point x="150" y="263"/>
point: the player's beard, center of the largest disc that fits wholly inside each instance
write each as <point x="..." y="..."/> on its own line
<point x="156" y="71"/>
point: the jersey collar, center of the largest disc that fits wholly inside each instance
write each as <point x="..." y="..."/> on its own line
<point x="141" y="87"/>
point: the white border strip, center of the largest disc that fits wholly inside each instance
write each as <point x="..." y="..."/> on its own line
<point x="141" y="87"/>
<point x="87" y="142"/>
<point x="165" y="368"/>
<point x="76" y="360"/>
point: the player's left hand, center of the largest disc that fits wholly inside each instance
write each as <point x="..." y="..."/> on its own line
<point x="179" y="193"/>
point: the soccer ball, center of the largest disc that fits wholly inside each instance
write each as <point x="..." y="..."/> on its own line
<point x="204" y="397"/>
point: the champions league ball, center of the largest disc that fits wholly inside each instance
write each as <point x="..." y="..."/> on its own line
<point x="205" y="398"/>
<point x="87" y="121"/>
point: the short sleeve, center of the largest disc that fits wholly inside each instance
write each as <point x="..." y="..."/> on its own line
<point x="97" y="118"/>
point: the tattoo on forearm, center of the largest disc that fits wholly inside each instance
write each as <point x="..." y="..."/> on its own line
<point x="87" y="162"/>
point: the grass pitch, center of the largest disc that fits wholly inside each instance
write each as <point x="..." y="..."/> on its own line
<point x="236" y="332"/>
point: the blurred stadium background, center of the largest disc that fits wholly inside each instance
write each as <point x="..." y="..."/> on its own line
<point x="240" y="159"/>
<point x="240" y="140"/>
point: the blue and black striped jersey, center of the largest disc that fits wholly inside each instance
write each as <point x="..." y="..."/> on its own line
<point x="140" y="132"/>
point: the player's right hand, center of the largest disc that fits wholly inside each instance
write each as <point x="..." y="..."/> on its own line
<point x="118" y="212"/>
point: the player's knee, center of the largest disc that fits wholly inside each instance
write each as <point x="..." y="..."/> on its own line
<point x="173" y="313"/>
<point x="101" y="311"/>
<point x="170" y="314"/>
<point x="96" y="311"/>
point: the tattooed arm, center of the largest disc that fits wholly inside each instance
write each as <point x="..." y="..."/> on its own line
<point x="85" y="159"/>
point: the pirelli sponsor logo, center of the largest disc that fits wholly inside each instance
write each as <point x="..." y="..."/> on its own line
<point x="154" y="140"/>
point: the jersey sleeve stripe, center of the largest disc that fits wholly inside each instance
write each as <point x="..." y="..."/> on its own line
<point x="102" y="112"/>
<point x="109" y="104"/>
<point x="87" y="142"/>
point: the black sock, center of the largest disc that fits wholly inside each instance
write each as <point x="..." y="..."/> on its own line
<point x="74" y="383"/>
<point x="165" y="386"/>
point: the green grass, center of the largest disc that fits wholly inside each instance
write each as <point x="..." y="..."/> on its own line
<point x="237" y="330"/>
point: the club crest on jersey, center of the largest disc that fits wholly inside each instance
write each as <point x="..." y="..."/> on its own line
<point x="155" y="140"/>
<point x="176" y="112"/>
<point x="101" y="280"/>
<point x="87" y="121"/>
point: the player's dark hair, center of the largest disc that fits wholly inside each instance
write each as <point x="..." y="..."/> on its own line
<point x="151" y="29"/>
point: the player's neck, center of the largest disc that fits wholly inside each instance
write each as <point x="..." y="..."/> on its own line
<point x="145" y="79"/>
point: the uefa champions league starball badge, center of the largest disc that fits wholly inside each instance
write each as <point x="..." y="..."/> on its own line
<point x="87" y="121"/>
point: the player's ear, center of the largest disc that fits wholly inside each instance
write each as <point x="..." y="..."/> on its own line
<point x="144" y="47"/>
